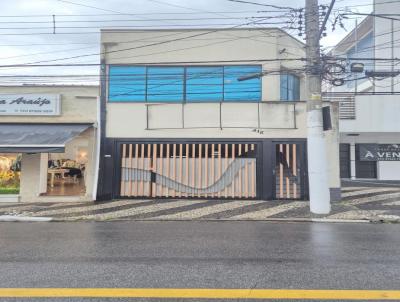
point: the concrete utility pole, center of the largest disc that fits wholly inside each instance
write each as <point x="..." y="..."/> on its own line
<point x="317" y="159"/>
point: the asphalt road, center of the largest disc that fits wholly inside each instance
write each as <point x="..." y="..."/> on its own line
<point x="199" y="255"/>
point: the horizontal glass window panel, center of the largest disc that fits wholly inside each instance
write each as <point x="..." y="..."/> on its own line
<point x="204" y="84"/>
<point x="127" y="84"/>
<point x="181" y="83"/>
<point x="165" y="84"/>
<point x="247" y="90"/>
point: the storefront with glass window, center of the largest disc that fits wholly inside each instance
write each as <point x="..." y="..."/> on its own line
<point x="48" y="143"/>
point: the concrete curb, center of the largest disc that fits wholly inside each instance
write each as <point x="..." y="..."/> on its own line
<point x="330" y="220"/>
<point x="10" y="218"/>
<point x="288" y="220"/>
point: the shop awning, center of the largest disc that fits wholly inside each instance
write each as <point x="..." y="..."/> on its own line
<point x="37" y="138"/>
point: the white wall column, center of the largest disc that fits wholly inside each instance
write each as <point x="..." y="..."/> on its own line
<point x="352" y="160"/>
<point x="44" y="159"/>
<point x="30" y="167"/>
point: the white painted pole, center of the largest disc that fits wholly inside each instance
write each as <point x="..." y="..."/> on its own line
<point x="317" y="163"/>
<point x="317" y="159"/>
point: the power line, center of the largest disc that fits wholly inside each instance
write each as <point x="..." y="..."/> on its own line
<point x="380" y="3"/>
<point x="48" y="44"/>
<point x="118" y="41"/>
<point x="136" y="14"/>
<point x="213" y="43"/>
<point x="145" y="39"/>
<point x="89" y="6"/>
<point x="95" y="7"/>
<point x="139" y="20"/>
<point x="46" y="52"/>
<point x="133" y="26"/>
<point x="141" y="46"/>
<point x="152" y="63"/>
<point x="133" y="75"/>
<point x="262" y="4"/>
<point x="371" y="14"/>
<point x="355" y="41"/>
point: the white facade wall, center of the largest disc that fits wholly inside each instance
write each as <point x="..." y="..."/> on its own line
<point x="374" y="114"/>
<point x="222" y="45"/>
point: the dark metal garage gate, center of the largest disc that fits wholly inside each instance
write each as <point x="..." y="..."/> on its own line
<point x="254" y="169"/>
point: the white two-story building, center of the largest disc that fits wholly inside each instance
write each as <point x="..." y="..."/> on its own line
<point x="370" y="106"/>
<point x="186" y="115"/>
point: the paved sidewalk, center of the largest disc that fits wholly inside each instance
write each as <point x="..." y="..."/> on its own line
<point x="358" y="203"/>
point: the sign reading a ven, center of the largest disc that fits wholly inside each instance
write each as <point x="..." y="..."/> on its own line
<point x="375" y="152"/>
<point x="30" y="104"/>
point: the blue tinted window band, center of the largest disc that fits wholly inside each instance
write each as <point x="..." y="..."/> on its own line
<point x="183" y="83"/>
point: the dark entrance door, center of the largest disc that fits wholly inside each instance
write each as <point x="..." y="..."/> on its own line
<point x="288" y="170"/>
<point x="364" y="169"/>
<point x="345" y="161"/>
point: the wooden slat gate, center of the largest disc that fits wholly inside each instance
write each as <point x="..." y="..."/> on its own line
<point x="206" y="170"/>
<point x="288" y="168"/>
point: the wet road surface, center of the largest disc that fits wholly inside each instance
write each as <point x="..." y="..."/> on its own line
<point x="222" y="255"/>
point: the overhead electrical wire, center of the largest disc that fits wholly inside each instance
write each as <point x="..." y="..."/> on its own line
<point x="265" y="18"/>
<point x="137" y="20"/>
<point x="141" y="46"/>
<point x="264" y="4"/>
<point x="352" y="42"/>
<point x="132" y="26"/>
<point x="157" y="63"/>
<point x="254" y="23"/>
<point x="133" y="14"/>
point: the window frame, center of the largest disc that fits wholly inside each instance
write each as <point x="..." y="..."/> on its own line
<point x="296" y="94"/>
<point x="180" y="82"/>
<point x="184" y="100"/>
<point x="109" y="80"/>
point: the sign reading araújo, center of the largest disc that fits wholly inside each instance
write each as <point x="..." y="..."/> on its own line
<point x="376" y="152"/>
<point x="30" y="104"/>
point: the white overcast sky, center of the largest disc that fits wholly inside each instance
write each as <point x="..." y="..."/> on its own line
<point x="24" y="42"/>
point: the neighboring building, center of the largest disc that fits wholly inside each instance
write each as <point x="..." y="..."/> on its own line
<point x="179" y="123"/>
<point x="48" y="143"/>
<point x="369" y="108"/>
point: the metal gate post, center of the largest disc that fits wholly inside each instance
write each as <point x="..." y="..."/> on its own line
<point x="268" y="181"/>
